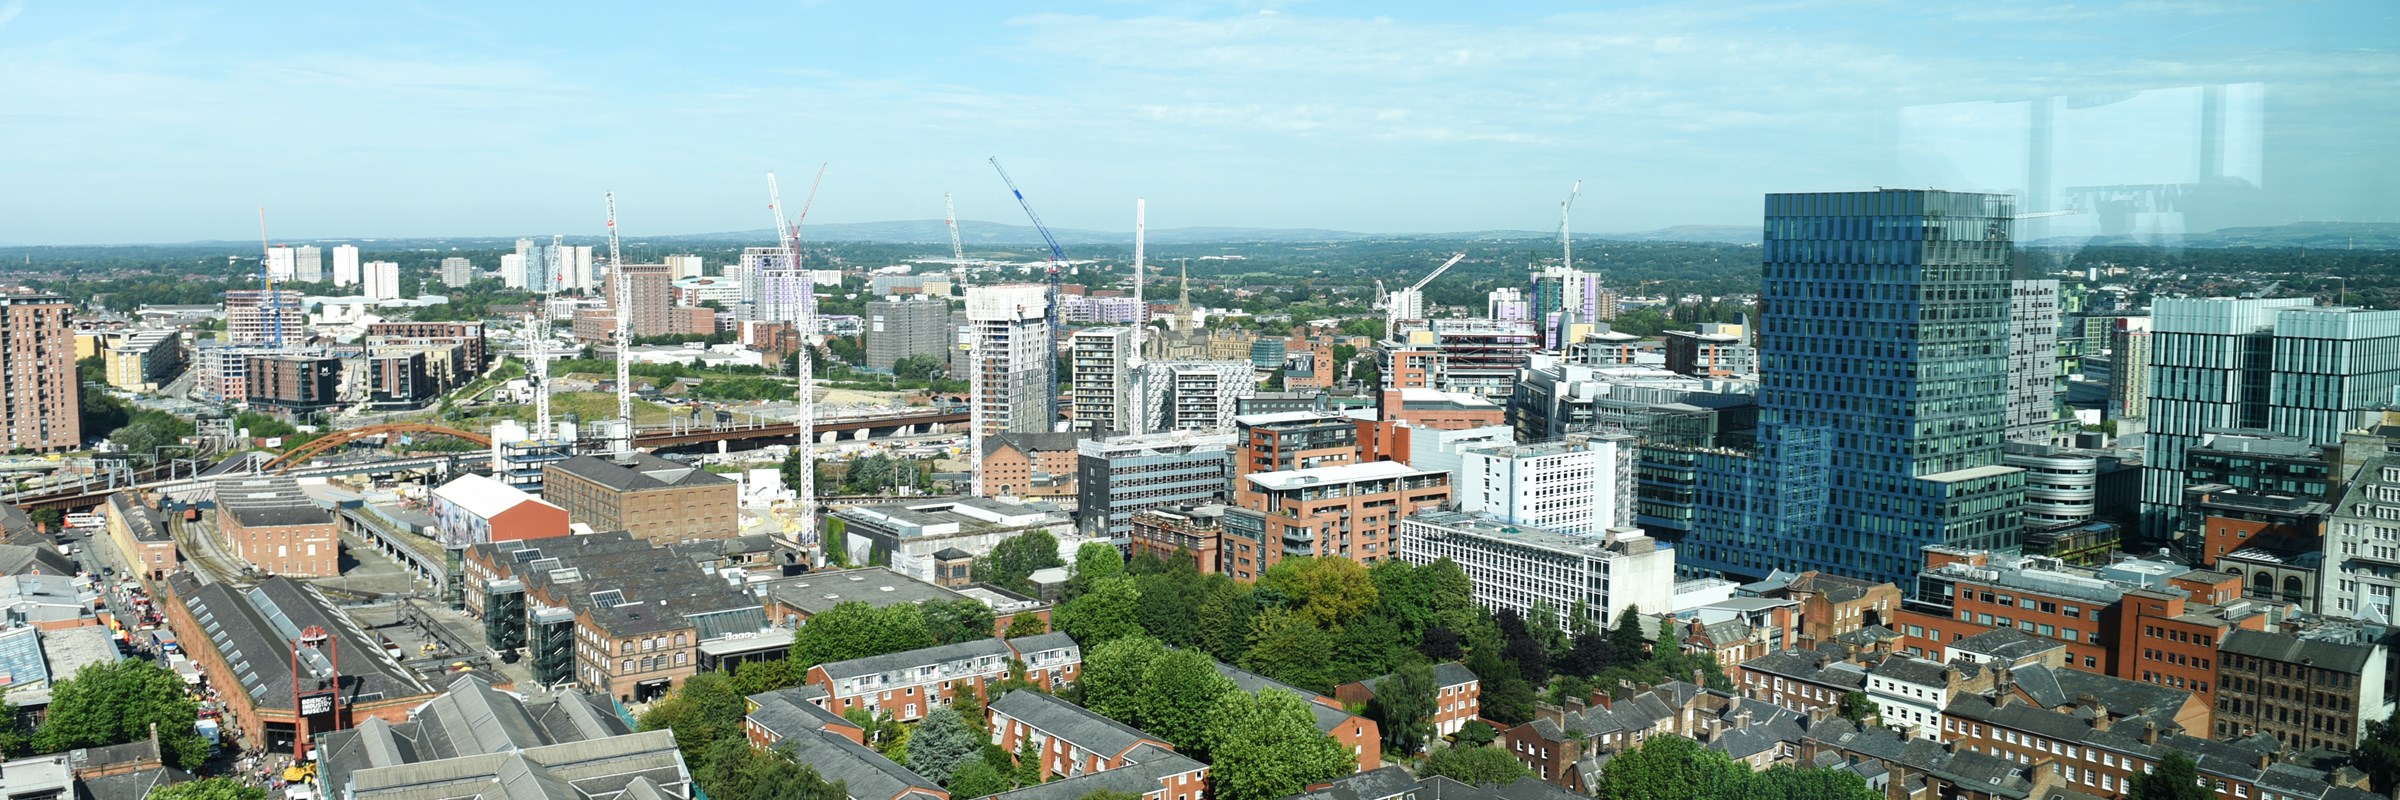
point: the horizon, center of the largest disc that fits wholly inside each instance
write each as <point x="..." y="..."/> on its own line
<point x="2151" y="118"/>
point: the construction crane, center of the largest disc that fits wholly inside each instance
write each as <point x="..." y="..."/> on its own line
<point x="1141" y="323"/>
<point x="1566" y="238"/>
<point x="973" y="344"/>
<point x="803" y="367"/>
<point x="1058" y="256"/>
<point x="1409" y="303"/>
<point x="624" y="303"/>
<point x="266" y="280"/>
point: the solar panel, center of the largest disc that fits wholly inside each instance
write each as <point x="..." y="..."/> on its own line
<point x="610" y="597"/>
<point x="526" y="555"/>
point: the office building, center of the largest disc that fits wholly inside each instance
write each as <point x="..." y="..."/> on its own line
<point x="308" y="264"/>
<point x="293" y="385"/>
<point x="1515" y="567"/>
<point x="1711" y="350"/>
<point x="914" y="538"/>
<point x="274" y="527"/>
<point x="1555" y="397"/>
<point x="41" y="395"/>
<point x="1348" y="511"/>
<point x="1577" y="487"/>
<point x="1287" y="440"/>
<point x="1475" y="356"/>
<point x="1192" y="395"/>
<point x="254" y="316"/>
<point x="457" y="272"/>
<point x="2129" y="369"/>
<point x="1100" y="381"/>
<point x="656" y="499"/>
<point x="141" y="360"/>
<point x="2339" y="673"/>
<point x="897" y="329"/>
<point x="2361" y="569"/>
<point x="1119" y="476"/>
<point x="2034" y="382"/>
<point x="2283" y="366"/>
<point x="1009" y="327"/>
<point x="1878" y="434"/>
<point x="686" y="267"/>
<point x="382" y="280"/>
<point x="345" y="265"/>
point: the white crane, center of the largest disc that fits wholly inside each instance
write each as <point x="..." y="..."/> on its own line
<point x="624" y="302"/>
<point x="973" y="344"/>
<point x="803" y="367"/>
<point x="1141" y="321"/>
<point x="1409" y="303"/>
<point x="1566" y="237"/>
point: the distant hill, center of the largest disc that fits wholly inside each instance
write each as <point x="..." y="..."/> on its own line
<point x="2326" y="235"/>
<point x="933" y="231"/>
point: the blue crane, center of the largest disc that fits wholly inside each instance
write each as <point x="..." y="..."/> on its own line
<point x="1058" y="255"/>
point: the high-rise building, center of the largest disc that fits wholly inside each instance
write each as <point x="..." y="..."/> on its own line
<point x="776" y="289"/>
<point x="1883" y="365"/>
<point x="345" y="265"/>
<point x="1011" y="327"/>
<point x="897" y="329"/>
<point x="457" y="272"/>
<point x="2129" y="368"/>
<point x="281" y="264"/>
<point x="1191" y="395"/>
<point x="1507" y="303"/>
<point x="1580" y="486"/>
<point x="2034" y="381"/>
<point x="2279" y="365"/>
<point x="308" y="264"/>
<point x="653" y="298"/>
<point x="576" y="270"/>
<point x="253" y="316"/>
<point x="41" y="398"/>
<point x="1100" y="381"/>
<point x="382" y="280"/>
<point x="512" y="271"/>
<point x="1563" y="297"/>
<point x="685" y="266"/>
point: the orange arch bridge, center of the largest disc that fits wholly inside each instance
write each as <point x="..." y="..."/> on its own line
<point x="338" y="438"/>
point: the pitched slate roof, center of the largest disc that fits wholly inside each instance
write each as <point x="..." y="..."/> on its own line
<point x="1328" y="716"/>
<point x="251" y="629"/>
<point x="1149" y="766"/>
<point x="2341" y="657"/>
<point x="785" y="712"/>
<point x="910" y="659"/>
<point x="469" y="719"/>
<point x="2006" y="644"/>
<point x="41" y="559"/>
<point x="865" y="773"/>
<point x="1071" y="722"/>
<point x="647" y="472"/>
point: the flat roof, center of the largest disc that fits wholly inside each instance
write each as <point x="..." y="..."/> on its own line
<point x="1339" y="473"/>
<point x="1972" y="473"/>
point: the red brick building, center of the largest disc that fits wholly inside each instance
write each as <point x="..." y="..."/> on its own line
<point x="1348" y="511"/>
<point x="909" y="684"/>
<point x="41" y="399"/>
<point x="276" y="528"/>
<point x="1457" y="696"/>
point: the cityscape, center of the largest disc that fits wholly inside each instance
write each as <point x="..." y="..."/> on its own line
<point x="2068" y="470"/>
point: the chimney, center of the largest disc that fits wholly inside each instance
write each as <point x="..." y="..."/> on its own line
<point x="2007" y="698"/>
<point x="2100" y="722"/>
<point x="1556" y="716"/>
<point x="2265" y="759"/>
<point x="1699" y="677"/>
<point x="2150" y="733"/>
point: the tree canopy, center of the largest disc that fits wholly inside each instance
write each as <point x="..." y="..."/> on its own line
<point x="219" y="788"/>
<point x="1478" y="766"/>
<point x="1676" y="768"/>
<point x="118" y="702"/>
<point x="2174" y="777"/>
<point x="1266" y="746"/>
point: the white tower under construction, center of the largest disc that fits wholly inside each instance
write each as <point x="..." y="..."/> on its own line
<point x="1011" y="323"/>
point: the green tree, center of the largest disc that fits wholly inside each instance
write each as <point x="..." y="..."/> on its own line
<point x="1403" y="707"/>
<point x="2378" y="755"/>
<point x="1097" y="561"/>
<point x="1029" y="763"/>
<point x="1477" y="766"/>
<point x="753" y="677"/>
<point x="1671" y="768"/>
<point x="795" y="469"/>
<point x="1112" y="675"/>
<point x="706" y="710"/>
<point x="1285" y="646"/>
<point x="1016" y="557"/>
<point x="978" y="778"/>
<point x="735" y="769"/>
<point x="2174" y="777"/>
<point x="962" y="620"/>
<point x="857" y="630"/>
<point x="1626" y="645"/>
<point x="1831" y="784"/>
<point x="1476" y="733"/>
<point x="1023" y="625"/>
<point x="219" y="788"/>
<point x="920" y="368"/>
<point x="1327" y="591"/>
<point x="1178" y="690"/>
<point x="1266" y="746"/>
<point x="1110" y="610"/>
<point x="118" y="702"/>
<point x="1858" y="707"/>
<point x="940" y="743"/>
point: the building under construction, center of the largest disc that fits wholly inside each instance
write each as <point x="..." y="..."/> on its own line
<point x="1472" y="356"/>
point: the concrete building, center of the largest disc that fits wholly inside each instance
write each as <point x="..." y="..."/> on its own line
<point x="469" y="336"/>
<point x="725" y="292"/>
<point x="513" y="270"/>
<point x="1711" y="350"/>
<point x="41" y="397"/>
<point x="472" y="509"/>
<point x="1579" y="487"/>
<point x="2129" y="369"/>
<point x="1009" y="328"/>
<point x="254" y="316"/>
<point x="1192" y="395"/>
<point x="308" y="264"/>
<point x="908" y="537"/>
<point x="274" y="527"/>
<point x="1556" y="397"/>
<point x="1348" y="511"/>
<point x="897" y="329"/>
<point x="277" y="685"/>
<point x="474" y="740"/>
<point x="1101" y="381"/>
<point x="1119" y="476"/>
<point x="656" y="499"/>
<point x="1515" y="567"/>
<point x="293" y="385"/>
<point x="457" y="272"/>
<point x="143" y="360"/>
<point x="2034" y="382"/>
<point x="382" y="280"/>
<point x="2342" y="679"/>
<point x="280" y="264"/>
<point x="345" y="265"/>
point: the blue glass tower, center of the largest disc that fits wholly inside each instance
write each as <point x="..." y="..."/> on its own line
<point x="1883" y="367"/>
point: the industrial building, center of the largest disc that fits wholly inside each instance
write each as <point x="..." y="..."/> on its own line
<point x="275" y="527"/>
<point x="655" y="499"/>
<point x="286" y="663"/>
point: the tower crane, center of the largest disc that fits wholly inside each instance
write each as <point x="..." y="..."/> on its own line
<point x="1058" y="256"/>
<point x="266" y="281"/>
<point x="1141" y="322"/>
<point x="804" y="368"/>
<point x="1409" y="303"/>
<point x="973" y="344"/>
<point x="1566" y="238"/>
<point x="624" y="303"/>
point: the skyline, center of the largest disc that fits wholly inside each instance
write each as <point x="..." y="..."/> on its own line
<point x="142" y="126"/>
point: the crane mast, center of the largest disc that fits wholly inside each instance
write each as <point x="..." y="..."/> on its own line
<point x="803" y="367"/>
<point x="624" y="302"/>
<point x="1141" y="321"/>
<point x="266" y="281"/>
<point x="1566" y="238"/>
<point x="1058" y="255"/>
<point x="974" y="347"/>
<point x="1409" y="303"/>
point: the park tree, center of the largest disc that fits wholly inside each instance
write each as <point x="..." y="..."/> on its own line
<point x="1325" y="591"/>
<point x="707" y="709"/>
<point x="979" y="778"/>
<point x="940" y="743"/>
<point x="218" y="788"/>
<point x="857" y="630"/>
<point x="119" y="702"/>
<point x="1178" y="691"/>
<point x="1286" y="646"/>
<point x="1403" y="707"/>
<point x="1109" y="611"/>
<point x="735" y="769"/>
<point x="1266" y="746"/>
<point x="2174" y="777"/>
<point x="1477" y="766"/>
<point x="955" y="621"/>
<point x="1112" y="675"/>
<point x="1671" y="768"/>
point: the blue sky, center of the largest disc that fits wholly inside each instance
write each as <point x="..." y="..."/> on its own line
<point x="161" y="122"/>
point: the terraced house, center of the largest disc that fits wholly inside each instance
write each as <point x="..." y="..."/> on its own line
<point x="911" y="683"/>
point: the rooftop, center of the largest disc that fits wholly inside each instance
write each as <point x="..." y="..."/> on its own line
<point x="253" y="630"/>
<point x="257" y="501"/>
<point x="471" y="718"/>
<point x="818" y="592"/>
<point x="1336" y="474"/>
<point x="485" y="497"/>
<point x="644" y="472"/>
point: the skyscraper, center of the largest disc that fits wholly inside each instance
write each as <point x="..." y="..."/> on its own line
<point x="1102" y="384"/>
<point x="652" y="295"/>
<point x="2280" y="365"/>
<point x="1011" y="324"/>
<point x="897" y="329"/>
<point x="40" y="397"/>
<point x="1192" y="395"/>
<point x="1883" y="357"/>
<point x="773" y="288"/>
<point x="2129" y="368"/>
<point x="2033" y="377"/>
<point x="345" y="265"/>
<point x="308" y="264"/>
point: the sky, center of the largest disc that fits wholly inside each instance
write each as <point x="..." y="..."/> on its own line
<point x="169" y="122"/>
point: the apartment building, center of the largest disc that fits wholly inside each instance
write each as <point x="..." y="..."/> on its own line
<point x="1349" y="511"/>
<point x="1102" y="389"/>
<point x="910" y="684"/>
<point x="140" y="361"/>
<point x="1193" y="533"/>
<point x="1029" y="464"/>
<point x="1361" y="735"/>
<point x="2311" y="690"/>
<point x="41" y="396"/>
<point x="1288" y="440"/>
<point x="1068" y="740"/>
<point x="293" y="385"/>
<point x="467" y="335"/>
<point x="1457" y="696"/>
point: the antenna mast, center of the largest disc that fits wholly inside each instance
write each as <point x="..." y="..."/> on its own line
<point x="624" y="301"/>
<point x="804" y="326"/>
<point x="973" y="344"/>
